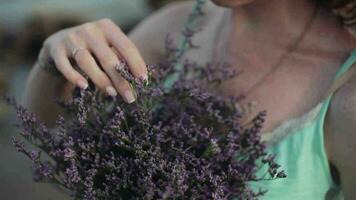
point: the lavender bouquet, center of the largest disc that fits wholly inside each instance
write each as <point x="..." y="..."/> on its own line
<point x="177" y="141"/>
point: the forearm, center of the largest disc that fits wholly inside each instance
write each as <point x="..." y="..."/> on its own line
<point x="41" y="90"/>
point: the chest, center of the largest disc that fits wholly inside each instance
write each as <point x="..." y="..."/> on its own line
<point x="293" y="89"/>
<point x="286" y="94"/>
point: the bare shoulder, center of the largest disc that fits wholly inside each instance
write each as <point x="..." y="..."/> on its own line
<point x="342" y="112"/>
<point x="150" y="34"/>
<point x="341" y="135"/>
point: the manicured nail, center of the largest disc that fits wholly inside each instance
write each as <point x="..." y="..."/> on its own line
<point x="111" y="91"/>
<point x="129" y="96"/>
<point x="82" y="84"/>
<point x="144" y="78"/>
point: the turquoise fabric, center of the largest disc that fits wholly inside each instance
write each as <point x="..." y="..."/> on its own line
<point x="302" y="155"/>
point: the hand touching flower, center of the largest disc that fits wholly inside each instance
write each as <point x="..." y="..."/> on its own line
<point x="96" y="48"/>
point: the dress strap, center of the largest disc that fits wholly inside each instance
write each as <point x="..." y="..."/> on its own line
<point x="343" y="75"/>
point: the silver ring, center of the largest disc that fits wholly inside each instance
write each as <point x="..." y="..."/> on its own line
<point x="76" y="50"/>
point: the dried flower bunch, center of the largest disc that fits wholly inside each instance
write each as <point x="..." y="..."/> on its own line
<point x="177" y="141"/>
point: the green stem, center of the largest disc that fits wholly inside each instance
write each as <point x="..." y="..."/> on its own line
<point x="190" y="26"/>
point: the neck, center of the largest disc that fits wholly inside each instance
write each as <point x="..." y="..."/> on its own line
<point x="286" y="17"/>
<point x="278" y="24"/>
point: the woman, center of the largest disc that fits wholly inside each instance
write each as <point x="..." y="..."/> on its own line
<point x="291" y="52"/>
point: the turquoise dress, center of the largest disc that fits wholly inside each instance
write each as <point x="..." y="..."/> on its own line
<point x="299" y="148"/>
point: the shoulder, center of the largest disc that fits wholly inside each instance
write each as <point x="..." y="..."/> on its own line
<point x="149" y="36"/>
<point x="341" y="134"/>
<point x="341" y="117"/>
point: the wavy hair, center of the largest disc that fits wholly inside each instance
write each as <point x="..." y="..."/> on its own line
<point x="345" y="10"/>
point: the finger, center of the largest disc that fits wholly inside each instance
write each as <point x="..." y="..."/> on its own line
<point x="63" y="65"/>
<point x="76" y="49"/>
<point x="116" y="53"/>
<point x="78" y="44"/>
<point x="125" y="47"/>
<point x="87" y="63"/>
<point x="122" y="86"/>
<point x="109" y="60"/>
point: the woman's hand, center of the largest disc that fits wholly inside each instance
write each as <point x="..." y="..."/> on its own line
<point x="96" y="48"/>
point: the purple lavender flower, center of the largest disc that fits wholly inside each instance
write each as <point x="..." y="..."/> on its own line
<point x="176" y="142"/>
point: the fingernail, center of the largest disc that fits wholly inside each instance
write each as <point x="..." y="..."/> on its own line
<point x="111" y="91"/>
<point x="82" y="84"/>
<point x="129" y="96"/>
<point x="144" y="78"/>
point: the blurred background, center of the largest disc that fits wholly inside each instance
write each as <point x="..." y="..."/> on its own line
<point x="24" y="25"/>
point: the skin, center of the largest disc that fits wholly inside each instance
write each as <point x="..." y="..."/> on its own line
<point x="262" y="37"/>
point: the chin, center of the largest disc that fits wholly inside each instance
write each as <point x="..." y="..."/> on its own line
<point x="232" y="3"/>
